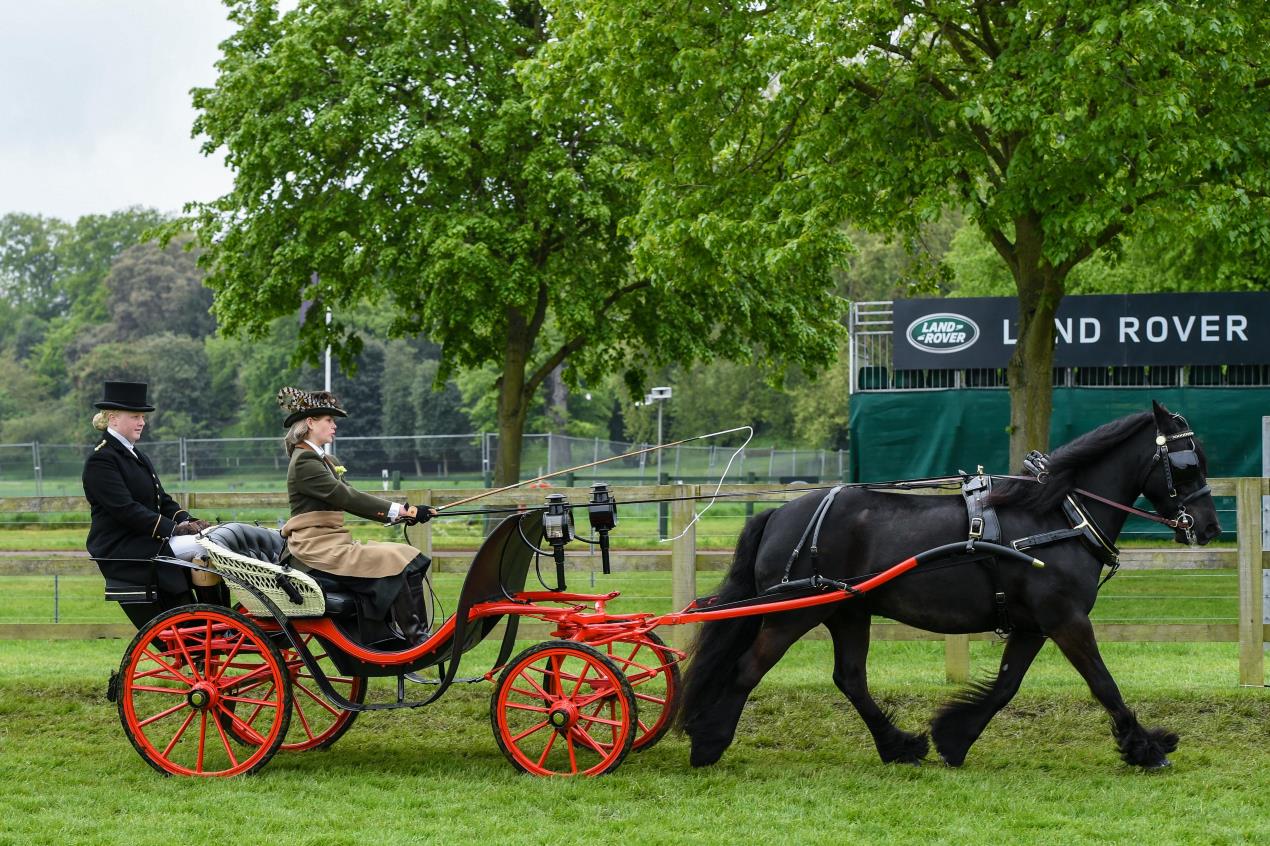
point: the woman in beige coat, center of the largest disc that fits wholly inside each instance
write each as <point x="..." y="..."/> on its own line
<point x="387" y="578"/>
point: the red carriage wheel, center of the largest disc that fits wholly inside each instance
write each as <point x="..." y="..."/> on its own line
<point x="652" y="668"/>
<point x="316" y="723"/>
<point x="563" y="708"/>
<point x="190" y="672"/>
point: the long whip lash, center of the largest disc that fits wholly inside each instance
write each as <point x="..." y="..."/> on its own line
<point x="484" y="494"/>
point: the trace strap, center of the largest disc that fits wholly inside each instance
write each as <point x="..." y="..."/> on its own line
<point x="813" y="529"/>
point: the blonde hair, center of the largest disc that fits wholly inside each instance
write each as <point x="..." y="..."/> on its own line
<point x="298" y="432"/>
<point x="101" y="421"/>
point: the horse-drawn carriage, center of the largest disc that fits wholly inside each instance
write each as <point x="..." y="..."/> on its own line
<point x="213" y="690"/>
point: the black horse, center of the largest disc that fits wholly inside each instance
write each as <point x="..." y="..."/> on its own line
<point x="1153" y="454"/>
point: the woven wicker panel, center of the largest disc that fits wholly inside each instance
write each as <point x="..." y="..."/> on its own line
<point x="264" y="577"/>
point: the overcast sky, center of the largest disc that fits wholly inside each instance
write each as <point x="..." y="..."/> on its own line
<point x="95" y="108"/>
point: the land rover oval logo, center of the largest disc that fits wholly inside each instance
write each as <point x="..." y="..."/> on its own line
<point x="942" y="333"/>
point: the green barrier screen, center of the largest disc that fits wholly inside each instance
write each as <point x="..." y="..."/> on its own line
<point x="912" y="434"/>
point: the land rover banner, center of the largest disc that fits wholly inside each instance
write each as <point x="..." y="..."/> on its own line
<point x="1116" y="329"/>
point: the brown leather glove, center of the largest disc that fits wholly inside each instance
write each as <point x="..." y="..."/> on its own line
<point x="191" y="527"/>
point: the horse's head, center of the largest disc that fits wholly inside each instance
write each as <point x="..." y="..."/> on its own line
<point x="1177" y="483"/>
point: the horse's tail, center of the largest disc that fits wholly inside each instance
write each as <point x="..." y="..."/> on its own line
<point x="714" y="654"/>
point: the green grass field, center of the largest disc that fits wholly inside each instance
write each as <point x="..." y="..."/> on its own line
<point x="802" y="769"/>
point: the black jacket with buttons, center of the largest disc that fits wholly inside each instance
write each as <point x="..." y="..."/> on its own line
<point x="132" y="516"/>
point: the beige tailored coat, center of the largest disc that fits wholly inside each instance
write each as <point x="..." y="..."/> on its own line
<point x="316" y="534"/>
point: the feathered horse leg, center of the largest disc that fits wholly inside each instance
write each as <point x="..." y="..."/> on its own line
<point x="850" y="631"/>
<point x="958" y="724"/>
<point x="1141" y="747"/>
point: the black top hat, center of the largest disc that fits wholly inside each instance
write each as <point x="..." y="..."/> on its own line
<point x="124" y="396"/>
<point x="299" y="404"/>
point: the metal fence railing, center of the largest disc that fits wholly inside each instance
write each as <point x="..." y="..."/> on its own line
<point x="259" y="464"/>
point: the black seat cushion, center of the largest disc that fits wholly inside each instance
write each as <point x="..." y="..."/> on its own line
<point x="248" y="540"/>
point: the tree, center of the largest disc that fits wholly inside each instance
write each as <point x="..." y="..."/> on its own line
<point x="1059" y="126"/>
<point x="154" y="290"/>
<point x="30" y="264"/>
<point x="391" y="148"/>
<point x="92" y="246"/>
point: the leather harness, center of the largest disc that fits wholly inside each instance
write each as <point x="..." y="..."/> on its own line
<point x="985" y="526"/>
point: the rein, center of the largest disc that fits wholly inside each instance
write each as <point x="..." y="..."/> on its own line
<point x="1036" y="463"/>
<point x="1182" y="521"/>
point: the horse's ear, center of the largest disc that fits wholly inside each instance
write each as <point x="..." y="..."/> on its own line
<point x="1162" y="415"/>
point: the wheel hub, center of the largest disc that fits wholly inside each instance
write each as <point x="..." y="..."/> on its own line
<point x="201" y="696"/>
<point x="563" y="716"/>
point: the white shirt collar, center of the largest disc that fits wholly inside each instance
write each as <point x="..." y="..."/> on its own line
<point x="123" y="441"/>
<point x="315" y="447"/>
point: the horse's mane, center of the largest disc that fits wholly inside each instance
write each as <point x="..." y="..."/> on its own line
<point x="1064" y="464"/>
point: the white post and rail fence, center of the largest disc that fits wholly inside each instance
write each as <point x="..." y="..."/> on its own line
<point x="687" y="564"/>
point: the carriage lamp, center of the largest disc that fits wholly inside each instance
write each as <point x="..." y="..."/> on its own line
<point x="602" y="511"/>
<point x="557" y="526"/>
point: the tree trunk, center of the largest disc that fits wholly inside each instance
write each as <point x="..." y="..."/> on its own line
<point x="1030" y="371"/>
<point x="558" y="418"/>
<point x="513" y="405"/>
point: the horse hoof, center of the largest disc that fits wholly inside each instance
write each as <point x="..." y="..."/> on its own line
<point x="954" y="764"/>
<point x="1162" y="764"/>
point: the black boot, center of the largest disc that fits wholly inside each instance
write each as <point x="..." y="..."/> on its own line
<point x="405" y="621"/>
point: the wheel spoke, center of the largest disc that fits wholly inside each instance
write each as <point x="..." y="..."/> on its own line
<point x="573" y="754"/>
<point x="318" y="699"/>
<point x="517" y="738"/>
<point x="586" y="668"/>
<point x="588" y="741"/>
<point x="179" y="733"/>
<point x="248" y="731"/>
<point x="176" y="673"/>
<point x="224" y="739"/>
<point x="541" y="692"/>
<point x="229" y="659"/>
<point x="304" y="720"/>
<point x="247" y="700"/>
<point x="551" y="739"/>
<point x="189" y="659"/>
<point x="145" y="688"/>
<point x="207" y="646"/>
<point x="598" y="695"/>
<point x="521" y="706"/>
<point x="202" y="740"/>
<point x="601" y="720"/>
<point x="168" y="712"/>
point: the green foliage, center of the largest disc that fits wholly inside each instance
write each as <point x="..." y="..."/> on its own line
<point x="30" y="264"/>
<point x="1057" y="126"/>
<point x="390" y="148"/>
<point x="717" y="397"/>
<point x="153" y="290"/>
<point x="886" y="266"/>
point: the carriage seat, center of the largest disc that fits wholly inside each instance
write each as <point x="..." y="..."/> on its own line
<point x="250" y="540"/>
<point x="252" y="554"/>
